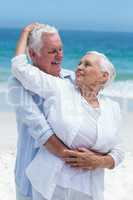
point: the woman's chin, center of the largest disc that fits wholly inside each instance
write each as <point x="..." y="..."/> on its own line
<point x="78" y="83"/>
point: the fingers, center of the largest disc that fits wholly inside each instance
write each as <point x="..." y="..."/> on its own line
<point x="79" y="165"/>
<point x="76" y="164"/>
<point x="70" y="153"/>
<point x="72" y="160"/>
<point x="86" y="151"/>
<point x="31" y="27"/>
<point x="82" y="149"/>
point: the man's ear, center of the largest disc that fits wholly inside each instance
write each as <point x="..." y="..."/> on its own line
<point x="32" y="54"/>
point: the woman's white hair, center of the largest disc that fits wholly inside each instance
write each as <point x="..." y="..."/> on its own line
<point x="35" y="37"/>
<point x="105" y="66"/>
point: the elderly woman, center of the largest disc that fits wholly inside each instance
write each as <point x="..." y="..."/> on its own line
<point x="82" y="119"/>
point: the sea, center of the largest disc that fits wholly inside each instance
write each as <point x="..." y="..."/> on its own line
<point x="117" y="46"/>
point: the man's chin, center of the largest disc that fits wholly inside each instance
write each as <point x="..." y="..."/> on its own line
<point x="57" y="71"/>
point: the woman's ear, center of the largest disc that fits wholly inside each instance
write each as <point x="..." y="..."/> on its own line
<point x="105" y="76"/>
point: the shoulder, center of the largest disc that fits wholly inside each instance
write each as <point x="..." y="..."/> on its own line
<point x="66" y="73"/>
<point x="13" y="82"/>
<point x="113" y="105"/>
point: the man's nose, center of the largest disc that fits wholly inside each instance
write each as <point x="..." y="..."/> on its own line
<point x="59" y="54"/>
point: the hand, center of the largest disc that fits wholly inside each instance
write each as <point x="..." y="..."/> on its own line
<point x="28" y="29"/>
<point x="22" y="43"/>
<point x="83" y="158"/>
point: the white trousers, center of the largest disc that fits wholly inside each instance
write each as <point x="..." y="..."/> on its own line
<point x="62" y="194"/>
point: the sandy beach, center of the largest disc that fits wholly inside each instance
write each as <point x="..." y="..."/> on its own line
<point x="118" y="182"/>
<point x="7" y="155"/>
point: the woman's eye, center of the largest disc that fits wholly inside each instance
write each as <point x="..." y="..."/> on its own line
<point x="86" y="65"/>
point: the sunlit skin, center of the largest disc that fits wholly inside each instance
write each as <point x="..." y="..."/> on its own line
<point x="50" y="56"/>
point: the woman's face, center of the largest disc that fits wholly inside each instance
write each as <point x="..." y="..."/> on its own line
<point x="88" y="72"/>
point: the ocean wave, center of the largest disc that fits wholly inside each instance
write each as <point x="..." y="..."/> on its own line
<point x="122" y="89"/>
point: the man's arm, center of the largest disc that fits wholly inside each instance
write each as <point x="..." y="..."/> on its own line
<point x="87" y="159"/>
<point x="31" y="115"/>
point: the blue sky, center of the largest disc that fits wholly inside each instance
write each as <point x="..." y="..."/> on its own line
<point x="108" y="15"/>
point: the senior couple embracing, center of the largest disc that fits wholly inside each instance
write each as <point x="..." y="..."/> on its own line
<point x="68" y="132"/>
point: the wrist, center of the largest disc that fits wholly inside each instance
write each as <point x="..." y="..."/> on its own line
<point x="62" y="152"/>
<point x="106" y="162"/>
<point x="24" y="35"/>
<point x="55" y="146"/>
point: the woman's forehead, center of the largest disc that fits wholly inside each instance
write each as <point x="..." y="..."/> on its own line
<point x="91" y="58"/>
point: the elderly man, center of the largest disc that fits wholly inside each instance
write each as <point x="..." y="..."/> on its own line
<point x="45" y="51"/>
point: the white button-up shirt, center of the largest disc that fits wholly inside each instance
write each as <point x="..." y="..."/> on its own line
<point x="77" y="125"/>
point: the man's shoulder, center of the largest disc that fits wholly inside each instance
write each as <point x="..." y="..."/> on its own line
<point x="67" y="73"/>
<point x="13" y="82"/>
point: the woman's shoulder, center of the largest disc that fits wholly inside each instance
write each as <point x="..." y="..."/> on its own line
<point x="112" y="103"/>
<point x="113" y="108"/>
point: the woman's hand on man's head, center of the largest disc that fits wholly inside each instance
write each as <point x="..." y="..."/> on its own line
<point x="22" y="42"/>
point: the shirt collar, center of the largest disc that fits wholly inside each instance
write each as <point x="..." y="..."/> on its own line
<point x="64" y="73"/>
<point x="67" y="74"/>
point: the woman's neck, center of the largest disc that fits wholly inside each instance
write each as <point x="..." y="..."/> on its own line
<point x="90" y="94"/>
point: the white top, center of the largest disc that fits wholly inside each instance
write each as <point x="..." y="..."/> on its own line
<point x="76" y="124"/>
<point x="85" y="137"/>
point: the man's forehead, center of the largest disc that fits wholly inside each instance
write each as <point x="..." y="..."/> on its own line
<point x="52" y="40"/>
<point x="51" y="37"/>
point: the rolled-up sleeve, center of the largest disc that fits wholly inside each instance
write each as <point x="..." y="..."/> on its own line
<point x="32" y="78"/>
<point x="117" y="152"/>
<point x="29" y="112"/>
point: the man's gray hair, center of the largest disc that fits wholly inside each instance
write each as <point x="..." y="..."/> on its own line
<point x="105" y="66"/>
<point x="35" y="37"/>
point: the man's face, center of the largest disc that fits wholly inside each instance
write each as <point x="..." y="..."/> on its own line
<point x="50" y="57"/>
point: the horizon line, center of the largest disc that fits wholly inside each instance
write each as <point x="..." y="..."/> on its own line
<point x="66" y="29"/>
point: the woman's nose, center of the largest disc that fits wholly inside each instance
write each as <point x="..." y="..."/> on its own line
<point x="80" y="67"/>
